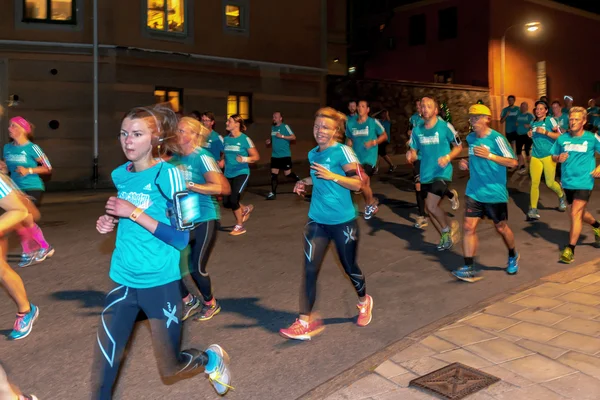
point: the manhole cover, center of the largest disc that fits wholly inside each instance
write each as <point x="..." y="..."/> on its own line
<point x="456" y="381"/>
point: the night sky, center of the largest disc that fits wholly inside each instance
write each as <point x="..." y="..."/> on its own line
<point x="589" y="5"/>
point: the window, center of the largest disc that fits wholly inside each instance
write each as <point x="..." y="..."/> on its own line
<point x="166" y="16"/>
<point x="49" y="11"/>
<point x="443" y="77"/>
<point x="236" y="16"/>
<point x="417" y="30"/>
<point x="240" y="103"/>
<point x="170" y="95"/>
<point x="448" y="23"/>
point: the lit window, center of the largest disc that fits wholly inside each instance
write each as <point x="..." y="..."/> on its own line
<point x="53" y="11"/>
<point x="169" y="95"/>
<point x="240" y="104"/>
<point x="232" y="14"/>
<point x="166" y="15"/>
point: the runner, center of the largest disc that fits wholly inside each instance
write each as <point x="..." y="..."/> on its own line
<point x="202" y="176"/>
<point x="11" y="392"/>
<point x="414" y="121"/>
<point x="25" y="162"/>
<point x="486" y="194"/>
<point x="281" y="157"/>
<point x="524" y="142"/>
<point x="508" y="116"/>
<point x="568" y="104"/>
<point x="17" y="207"/>
<point x="353" y="115"/>
<point x="145" y="262"/>
<point x="382" y="149"/>
<point x="451" y="194"/>
<point x="364" y="134"/>
<point x="543" y="133"/>
<point x="239" y="152"/>
<point x="576" y="151"/>
<point x="593" y="113"/>
<point x="332" y="217"/>
<point x="562" y="121"/>
<point x="437" y="145"/>
<point x="214" y="141"/>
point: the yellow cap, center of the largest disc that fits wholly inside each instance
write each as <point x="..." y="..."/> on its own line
<point x="479" y="109"/>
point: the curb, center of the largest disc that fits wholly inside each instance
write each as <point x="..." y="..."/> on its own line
<point x="368" y="365"/>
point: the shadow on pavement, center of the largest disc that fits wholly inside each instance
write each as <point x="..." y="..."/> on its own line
<point x="86" y="298"/>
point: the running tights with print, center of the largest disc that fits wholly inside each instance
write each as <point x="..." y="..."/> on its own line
<point x="238" y="185"/>
<point x="202" y="241"/>
<point x="537" y="166"/>
<point x="316" y="240"/>
<point x="162" y="305"/>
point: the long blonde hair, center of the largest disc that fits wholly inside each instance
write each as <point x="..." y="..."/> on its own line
<point x="198" y="128"/>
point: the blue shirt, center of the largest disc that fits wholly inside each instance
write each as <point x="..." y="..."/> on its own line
<point x="140" y="260"/>
<point x="431" y="144"/>
<point x="214" y="144"/>
<point x="281" y="147"/>
<point x="236" y="146"/>
<point x="594" y="118"/>
<point x="577" y="168"/>
<point x="28" y="155"/>
<point x="193" y="167"/>
<point x="331" y="203"/>
<point x="361" y="133"/>
<point x="542" y="144"/>
<point x="522" y="120"/>
<point x="511" y="114"/>
<point x="387" y="125"/>
<point x="487" y="182"/>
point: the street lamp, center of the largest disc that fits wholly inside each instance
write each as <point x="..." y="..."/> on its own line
<point x="529" y="27"/>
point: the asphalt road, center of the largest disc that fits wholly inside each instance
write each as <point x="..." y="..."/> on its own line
<point x="257" y="279"/>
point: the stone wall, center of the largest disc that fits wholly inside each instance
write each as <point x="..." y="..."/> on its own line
<point x="398" y="97"/>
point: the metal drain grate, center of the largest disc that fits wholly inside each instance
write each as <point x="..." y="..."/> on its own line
<point x="454" y="382"/>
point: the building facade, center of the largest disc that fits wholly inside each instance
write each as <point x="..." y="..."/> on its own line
<point x="459" y="42"/>
<point x="227" y="56"/>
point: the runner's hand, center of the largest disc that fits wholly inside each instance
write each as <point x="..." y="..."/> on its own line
<point x="563" y="157"/>
<point x="411" y="156"/>
<point x="106" y="224"/>
<point x="481" y="151"/>
<point x="119" y="207"/>
<point x="463" y="164"/>
<point x="22" y="171"/>
<point x="596" y="172"/>
<point x="322" y="173"/>
<point x="443" y="161"/>
<point x="300" y="188"/>
<point x="268" y="142"/>
<point x="530" y="133"/>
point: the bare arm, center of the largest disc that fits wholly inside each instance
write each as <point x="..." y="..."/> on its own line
<point x="214" y="184"/>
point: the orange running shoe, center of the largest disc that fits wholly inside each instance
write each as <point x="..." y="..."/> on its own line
<point x="302" y="330"/>
<point x="365" y="312"/>
<point x="238" y="230"/>
<point x="246" y="212"/>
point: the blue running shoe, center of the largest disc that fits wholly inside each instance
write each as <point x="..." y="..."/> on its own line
<point x="42" y="254"/>
<point x="467" y="274"/>
<point x="220" y="377"/>
<point x="27" y="259"/>
<point x="513" y="265"/>
<point x="24" y="324"/>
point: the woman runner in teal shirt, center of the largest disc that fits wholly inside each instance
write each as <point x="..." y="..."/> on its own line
<point x="335" y="173"/>
<point x="145" y="263"/>
<point x="25" y="161"/>
<point x="204" y="180"/>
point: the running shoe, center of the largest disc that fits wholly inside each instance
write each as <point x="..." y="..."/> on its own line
<point x="220" y="377"/>
<point x="467" y="274"/>
<point x="190" y="308"/>
<point x="27" y="259"/>
<point x="567" y="256"/>
<point x="421" y="223"/>
<point x="513" y="264"/>
<point x="246" y="212"/>
<point x="522" y="171"/>
<point x="596" y="237"/>
<point x="42" y="254"/>
<point x="238" y="230"/>
<point x="371" y="209"/>
<point x="562" y="203"/>
<point x="533" y="214"/>
<point x="271" y="196"/>
<point x="208" y="310"/>
<point x="392" y="169"/>
<point x="24" y="324"/>
<point x="303" y="330"/>
<point x="445" y="241"/>
<point x="365" y="312"/>
<point x="454" y="200"/>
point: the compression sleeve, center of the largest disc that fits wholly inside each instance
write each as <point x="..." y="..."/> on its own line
<point x="172" y="236"/>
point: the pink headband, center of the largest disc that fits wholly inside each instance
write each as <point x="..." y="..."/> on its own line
<point x="22" y="122"/>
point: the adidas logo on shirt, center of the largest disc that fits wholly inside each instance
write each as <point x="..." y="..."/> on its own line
<point x="328" y="159"/>
<point x="148" y="187"/>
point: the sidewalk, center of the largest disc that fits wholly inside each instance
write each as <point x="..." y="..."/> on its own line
<point x="542" y="342"/>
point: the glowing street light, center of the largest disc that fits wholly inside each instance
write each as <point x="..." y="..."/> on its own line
<point x="530" y="27"/>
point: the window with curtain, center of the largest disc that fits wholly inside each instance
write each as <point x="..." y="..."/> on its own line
<point x="172" y="96"/>
<point x="166" y="15"/>
<point x="49" y="11"/>
<point x="240" y="103"/>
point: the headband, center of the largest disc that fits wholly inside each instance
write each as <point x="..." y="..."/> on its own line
<point x="22" y="122"/>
